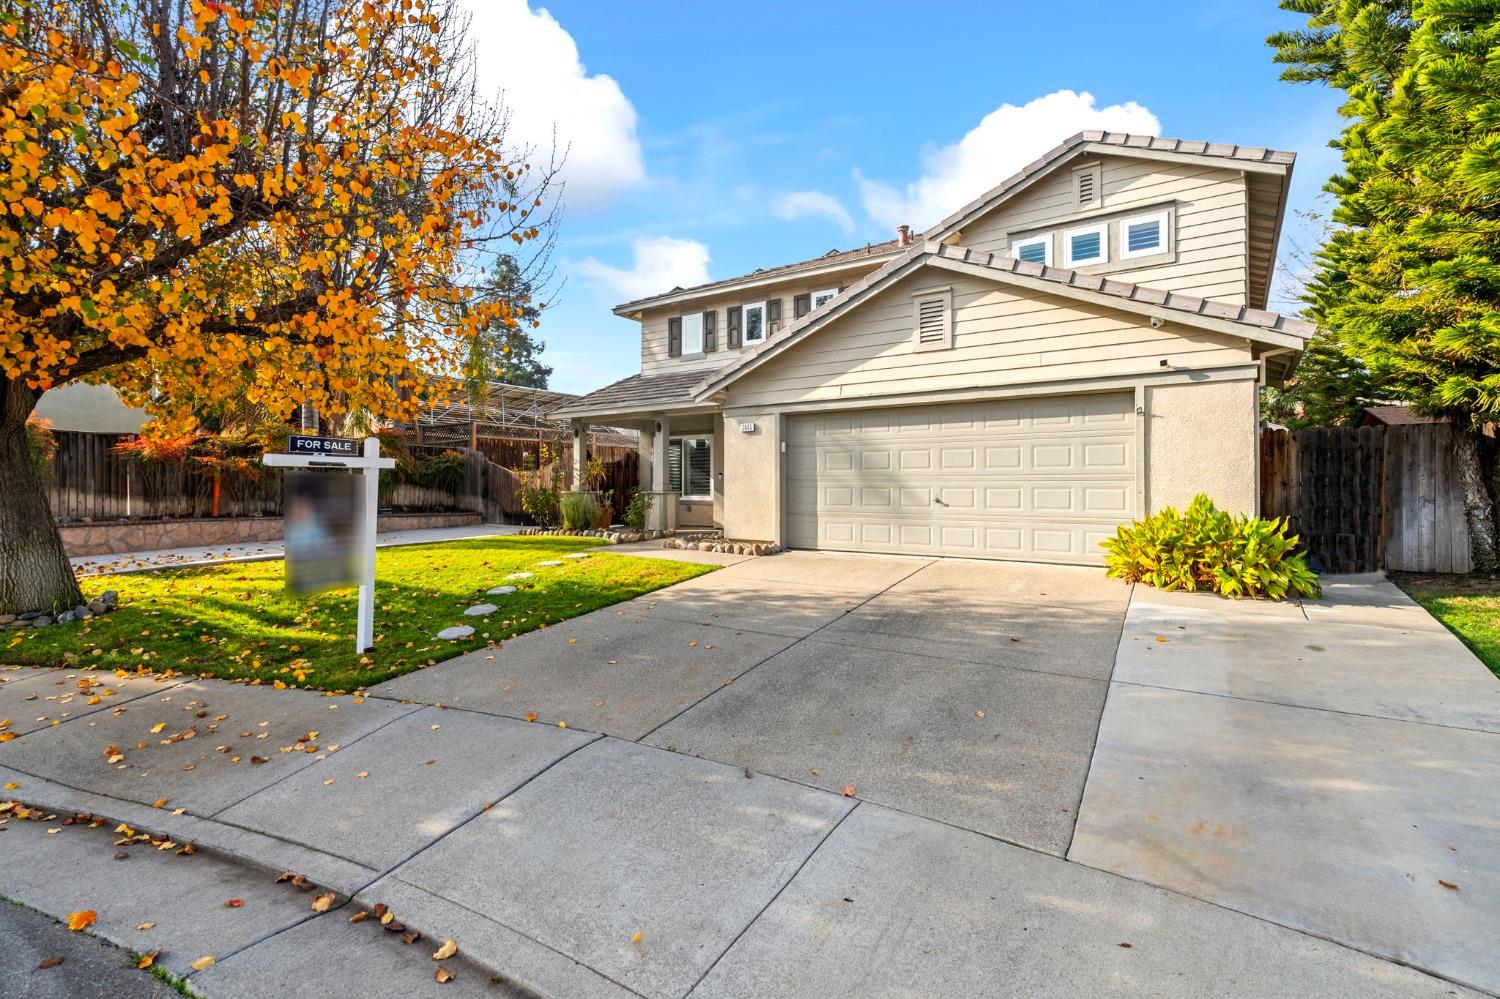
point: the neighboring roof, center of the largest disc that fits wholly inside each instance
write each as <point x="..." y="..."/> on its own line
<point x="635" y="392"/>
<point x="1269" y="328"/>
<point x="833" y="258"/>
<point x="1397" y="415"/>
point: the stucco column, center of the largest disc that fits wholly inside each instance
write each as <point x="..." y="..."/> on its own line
<point x="663" y="516"/>
<point x="580" y="453"/>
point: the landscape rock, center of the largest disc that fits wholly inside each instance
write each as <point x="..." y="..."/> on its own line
<point x="41" y="622"/>
<point x="110" y="597"/>
<point x="98" y="607"/>
<point x="66" y="617"/>
<point x="480" y="610"/>
<point x="551" y="562"/>
<point x="7" y="618"/>
<point x="456" y="632"/>
<point x="519" y="575"/>
<point x="502" y="590"/>
<point x="29" y="616"/>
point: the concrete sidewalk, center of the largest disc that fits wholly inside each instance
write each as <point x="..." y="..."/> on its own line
<point x="804" y="775"/>
<point x="184" y="558"/>
<point x="1333" y="768"/>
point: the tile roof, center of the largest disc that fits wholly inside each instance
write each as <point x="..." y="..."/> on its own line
<point x="1095" y="284"/>
<point x="1398" y="415"/>
<point x="637" y="390"/>
<point x="868" y="251"/>
<point x="1127" y="143"/>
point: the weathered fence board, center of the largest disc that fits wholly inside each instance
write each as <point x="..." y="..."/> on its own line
<point x="1370" y="497"/>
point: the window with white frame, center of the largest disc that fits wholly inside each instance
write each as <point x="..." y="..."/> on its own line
<point x="754" y="322"/>
<point x="690" y="467"/>
<point x="1033" y="249"/>
<point x="692" y="333"/>
<point x="1143" y="235"/>
<point x="1088" y="245"/>
<point x="820" y="298"/>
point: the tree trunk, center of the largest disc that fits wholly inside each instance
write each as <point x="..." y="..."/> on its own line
<point x="1479" y="503"/>
<point x="34" y="571"/>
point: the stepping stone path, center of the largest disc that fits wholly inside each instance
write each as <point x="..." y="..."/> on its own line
<point x="578" y="555"/>
<point x="480" y="610"/>
<point x="519" y="575"/>
<point x="456" y="632"/>
<point x="552" y="562"/>
<point x="503" y="590"/>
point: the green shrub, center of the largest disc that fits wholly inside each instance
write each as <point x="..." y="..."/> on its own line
<point x="1205" y="548"/>
<point x="636" y="509"/>
<point x="579" y="511"/>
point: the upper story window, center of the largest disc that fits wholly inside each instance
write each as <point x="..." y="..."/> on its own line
<point x="1036" y="250"/>
<point x="1143" y="235"/>
<point x="1087" y="245"/>
<point x="692" y="333"/>
<point x="821" y="298"/>
<point x="754" y="322"/>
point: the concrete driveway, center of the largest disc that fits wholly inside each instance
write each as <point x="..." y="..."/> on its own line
<point x="967" y="692"/>
<point x="818" y="775"/>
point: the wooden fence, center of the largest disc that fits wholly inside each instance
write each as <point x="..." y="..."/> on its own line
<point x="1369" y="498"/>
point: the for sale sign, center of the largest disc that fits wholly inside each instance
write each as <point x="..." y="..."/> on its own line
<point x="343" y="447"/>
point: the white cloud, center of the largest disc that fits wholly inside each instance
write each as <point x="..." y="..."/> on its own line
<point x="1005" y="140"/>
<point x="534" y="60"/>
<point x="660" y="264"/>
<point x="816" y="204"/>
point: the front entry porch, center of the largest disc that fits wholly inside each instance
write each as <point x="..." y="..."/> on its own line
<point x="681" y="464"/>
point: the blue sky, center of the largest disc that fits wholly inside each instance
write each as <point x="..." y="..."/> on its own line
<point x="708" y="140"/>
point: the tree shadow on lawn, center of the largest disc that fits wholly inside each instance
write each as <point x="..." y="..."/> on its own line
<point x="237" y="622"/>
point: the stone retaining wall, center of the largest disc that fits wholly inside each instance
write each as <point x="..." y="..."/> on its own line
<point x="151" y="535"/>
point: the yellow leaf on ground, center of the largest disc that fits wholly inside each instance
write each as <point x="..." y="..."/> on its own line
<point x="158" y="727"/>
<point x="323" y="902"/>
<point x="148" y="959"/>
<point x="447" y="950"/>
<point x="203" y="963"/>
<point x="81" y="919"/>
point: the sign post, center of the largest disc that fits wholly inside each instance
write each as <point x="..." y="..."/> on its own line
<point x="343" y="452"/>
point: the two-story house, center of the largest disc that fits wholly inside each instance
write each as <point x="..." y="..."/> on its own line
<point x="1079" y="346"/>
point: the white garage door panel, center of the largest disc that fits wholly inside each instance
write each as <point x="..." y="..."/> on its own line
<point x="1044" y="479"/>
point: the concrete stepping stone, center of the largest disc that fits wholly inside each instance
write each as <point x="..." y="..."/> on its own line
<point x="550" y="562"/>
<point x="577" y="555"/>
<point x="456" y="632"/>
<point x="519" y="575"/>
<point x="502" y="590"/>
<point x="480" y="610"/>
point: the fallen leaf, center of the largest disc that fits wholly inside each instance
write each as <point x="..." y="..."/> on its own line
<point x="359" y="917"/>
<point x="979" y="714"/>
<point x="203" y="963"/>
<point x="411" y="937"/>
<point x="639" y="936"/>
<point x="443" y="976"/>
<point x="323" y="902"/>
<point x="148" y="959"/>
<point x="447" y="950"/>
<point x="531" y="716"/>
<point x="159" y="803"/>
<point x="82" y="918"/>
<point x="1448" y="885"/>
<point x="1126" y="945"/>
<point x="848" y="791"/>
<point x="362" y="774"/>
<point x="234" y="903"/>
<point x="158" y="727"/>
<point x="145" y="926"/>
<point x="11" y="785"/>
<point x="51" y="962"/>
<point x="1161" y="638"/>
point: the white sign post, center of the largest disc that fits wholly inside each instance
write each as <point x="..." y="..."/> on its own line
<point x="333" y="452"/>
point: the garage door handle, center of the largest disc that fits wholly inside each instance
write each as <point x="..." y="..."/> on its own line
<point x="939" y="502"/>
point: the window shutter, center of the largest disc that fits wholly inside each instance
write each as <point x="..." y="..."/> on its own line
<point x="674" y="337"/>
<point x="674" y="466"/>
<point x="710" y="332"/>
<point x="933" y="320"/>
<point x="732" y="321"/>
<point x="801" y="305"/>
<point x="773" y="317"/>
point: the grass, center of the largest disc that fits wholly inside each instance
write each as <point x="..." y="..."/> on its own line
<point x="1468" y="605"/>
<point x="239" y="623"/>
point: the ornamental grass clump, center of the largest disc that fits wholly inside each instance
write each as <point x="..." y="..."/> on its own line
<point x="1205" y="548"/>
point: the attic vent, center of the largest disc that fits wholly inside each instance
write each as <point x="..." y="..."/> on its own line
<point x="933" y="322"/>
<point x="1086" y="185"/>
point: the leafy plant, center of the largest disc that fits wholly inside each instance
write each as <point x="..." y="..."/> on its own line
<point x="444" y="471"/>
<point x="579" y="511"/>
<point x="539" y="494"/>
<point x="42" y="443"/>
<point x="1205" y="548"/>
<point x="637" y="508"/>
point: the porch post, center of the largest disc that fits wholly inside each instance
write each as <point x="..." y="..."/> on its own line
<point x="663" y="516"/>
<point x="580" y="453"/>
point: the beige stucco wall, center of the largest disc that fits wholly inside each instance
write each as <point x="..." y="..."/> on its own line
<point x="752" y="496"/>
<point x="1202" y="437"/>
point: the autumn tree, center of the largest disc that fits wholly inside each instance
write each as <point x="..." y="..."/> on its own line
<point x="1407" y="287"/>
<point x="272" y="201"/>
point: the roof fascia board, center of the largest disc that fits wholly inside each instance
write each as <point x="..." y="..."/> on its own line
<point x="1042" y="286"/>
<point x="1200" y="159"/>
<point x="642" y="409"/>
<point x="633" y="310"/>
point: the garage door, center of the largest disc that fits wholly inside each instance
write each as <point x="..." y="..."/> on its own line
<point x="1039" y="479"/>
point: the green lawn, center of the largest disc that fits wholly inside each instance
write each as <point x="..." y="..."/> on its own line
<point x="238" y="621"/>
<point x="1468" y="605"/>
